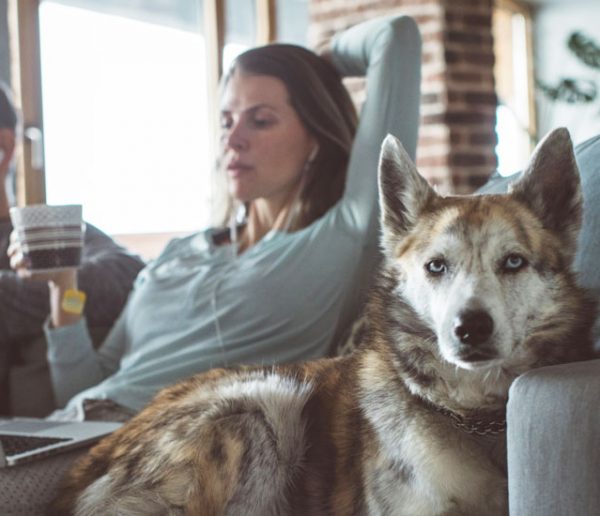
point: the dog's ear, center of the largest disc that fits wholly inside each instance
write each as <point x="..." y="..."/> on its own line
<point x="403" y="192"/>
<point x="550" y="186"/>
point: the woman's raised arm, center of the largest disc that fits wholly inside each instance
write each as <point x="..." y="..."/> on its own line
<point x="388" y="52"/>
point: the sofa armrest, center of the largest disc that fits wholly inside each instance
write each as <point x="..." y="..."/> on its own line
<point x="553" y="441"/>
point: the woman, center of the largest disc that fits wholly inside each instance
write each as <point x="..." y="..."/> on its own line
<point x="274" y="288"/>
<point x="187" y="312"/>
<point x="271" y="290"/>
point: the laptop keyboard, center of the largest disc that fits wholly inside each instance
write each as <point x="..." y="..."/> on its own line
<point x="15" y="444"/>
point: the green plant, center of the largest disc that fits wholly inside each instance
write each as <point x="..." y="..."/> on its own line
<point x="576" y="91"/>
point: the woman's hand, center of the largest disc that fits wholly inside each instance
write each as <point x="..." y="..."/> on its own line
<point x="18" y="261"/>
<point x="59" y="281"/>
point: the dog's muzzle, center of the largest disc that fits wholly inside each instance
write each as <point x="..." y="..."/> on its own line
<point x="472" y="331"/>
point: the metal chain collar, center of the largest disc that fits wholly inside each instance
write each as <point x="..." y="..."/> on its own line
<point x="494" y="424"/>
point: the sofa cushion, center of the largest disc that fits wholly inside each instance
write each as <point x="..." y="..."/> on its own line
<point x="587" y="155"/>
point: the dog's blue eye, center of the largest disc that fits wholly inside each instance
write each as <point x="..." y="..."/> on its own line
<point x="514" y="262"/>
<point x="436" y="267"/>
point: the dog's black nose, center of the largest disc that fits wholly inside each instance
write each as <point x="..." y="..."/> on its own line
<point x="473" y="327"/>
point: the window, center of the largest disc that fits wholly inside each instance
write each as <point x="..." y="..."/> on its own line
<point x="515" y="124"/>
<point x="239" y="34"/>
<point x="129" y="94"/>
<point x="124" y="101"/>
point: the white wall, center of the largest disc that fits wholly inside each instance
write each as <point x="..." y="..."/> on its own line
<point x="553" y="24"/>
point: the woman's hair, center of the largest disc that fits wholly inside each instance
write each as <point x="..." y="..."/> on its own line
<point x="325" y="109"/>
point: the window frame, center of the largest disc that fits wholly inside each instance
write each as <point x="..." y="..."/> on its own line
<point x="514" y="7"/>
<point x="24" y="33"/>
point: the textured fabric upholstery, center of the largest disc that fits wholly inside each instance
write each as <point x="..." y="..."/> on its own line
<point x="553" y="441"/>
<point x="37" y="477"/>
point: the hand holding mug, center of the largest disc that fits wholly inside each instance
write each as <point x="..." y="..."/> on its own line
<point x="21" y="264"/>
<point x="49" y="237"/>
<point x="46" y="244"/>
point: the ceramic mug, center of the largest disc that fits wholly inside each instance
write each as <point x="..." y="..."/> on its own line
<point x="51" y="237"/>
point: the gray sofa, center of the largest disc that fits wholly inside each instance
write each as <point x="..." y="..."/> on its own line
<point x="553" y="417"/>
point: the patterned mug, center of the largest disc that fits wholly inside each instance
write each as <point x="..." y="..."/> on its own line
<point x="51" y="237"/>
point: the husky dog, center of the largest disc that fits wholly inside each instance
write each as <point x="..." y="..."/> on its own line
<point x="472" y="292"/>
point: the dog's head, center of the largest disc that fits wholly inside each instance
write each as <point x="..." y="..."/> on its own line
<point x="489" y="275"/>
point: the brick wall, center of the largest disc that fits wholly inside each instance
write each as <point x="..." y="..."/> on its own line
<point x="456" y="137"/>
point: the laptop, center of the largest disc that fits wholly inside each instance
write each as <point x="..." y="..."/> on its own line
<point x="25" y="440"/>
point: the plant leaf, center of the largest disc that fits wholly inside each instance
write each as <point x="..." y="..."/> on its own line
<point x="585" y="48"/>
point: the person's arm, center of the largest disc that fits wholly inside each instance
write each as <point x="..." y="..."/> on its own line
<point x="388" y="52"/>
<point x="62" y="282"/>
<point x="74" y="364"/>
<point x="106" y="274"/>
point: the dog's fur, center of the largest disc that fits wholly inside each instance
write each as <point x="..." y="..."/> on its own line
<point x="472" y="292"/>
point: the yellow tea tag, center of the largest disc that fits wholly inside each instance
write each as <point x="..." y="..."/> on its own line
<point x="73" y="301"/>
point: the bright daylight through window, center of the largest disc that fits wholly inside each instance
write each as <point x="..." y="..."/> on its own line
<point x="125" y="120"/>
<point x="515" y="125"/>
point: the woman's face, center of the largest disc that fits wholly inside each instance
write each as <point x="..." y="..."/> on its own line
<point x="265" y="146"/>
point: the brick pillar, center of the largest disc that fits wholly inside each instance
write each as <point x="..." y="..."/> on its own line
<point x="458" y="103"/>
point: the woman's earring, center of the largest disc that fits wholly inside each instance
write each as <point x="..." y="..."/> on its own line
<point x="311" y="157"/>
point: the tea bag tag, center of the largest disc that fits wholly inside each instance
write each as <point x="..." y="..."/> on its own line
<point x="73" y="301"/>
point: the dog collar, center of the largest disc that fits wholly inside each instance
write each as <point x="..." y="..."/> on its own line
<point x="493" y="423"/>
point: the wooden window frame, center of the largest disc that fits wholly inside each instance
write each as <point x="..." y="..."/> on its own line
<point x="524" y="10"/>
<point x="23" y="16"/>
<point x="26" y="67"/>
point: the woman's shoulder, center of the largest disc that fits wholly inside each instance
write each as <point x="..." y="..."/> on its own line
<point x="334" y="224"/>
<point x="197" y="242"/>
<point x="179" y="257"/>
